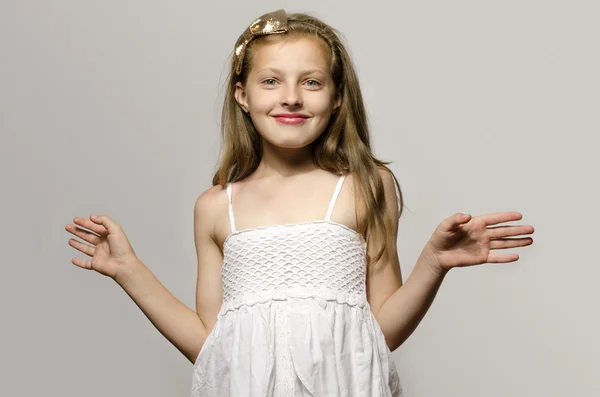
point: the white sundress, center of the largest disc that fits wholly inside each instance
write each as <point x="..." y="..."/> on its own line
<point x="295" y="321"/>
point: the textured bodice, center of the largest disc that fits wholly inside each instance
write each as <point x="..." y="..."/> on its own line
<point x="319" y="259"/>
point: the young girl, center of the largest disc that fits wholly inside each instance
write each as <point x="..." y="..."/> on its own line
<point x="299" y="290"/>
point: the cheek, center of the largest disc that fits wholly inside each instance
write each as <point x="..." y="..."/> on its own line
<point x="321" y="103"/>
<point x="261" y="101"/>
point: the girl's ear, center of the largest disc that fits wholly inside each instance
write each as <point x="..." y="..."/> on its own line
<point x="338" y="102"/>
<point x="241" y="97"/>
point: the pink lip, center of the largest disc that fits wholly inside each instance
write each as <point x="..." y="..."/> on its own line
<point x="290" y="118"/>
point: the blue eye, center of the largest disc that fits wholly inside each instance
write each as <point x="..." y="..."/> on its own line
<point x="316" y="83"/>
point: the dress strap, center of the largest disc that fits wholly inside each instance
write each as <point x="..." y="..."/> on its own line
<point x="231" y="221"/>
<point x="334" y="198"/>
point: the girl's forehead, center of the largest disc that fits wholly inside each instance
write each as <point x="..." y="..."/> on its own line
<point x="294" y="53"/>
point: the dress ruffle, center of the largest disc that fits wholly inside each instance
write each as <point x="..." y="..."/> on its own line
<point x="331" y="347"/>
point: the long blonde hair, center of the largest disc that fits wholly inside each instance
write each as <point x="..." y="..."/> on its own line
<point x="343" y="147"/>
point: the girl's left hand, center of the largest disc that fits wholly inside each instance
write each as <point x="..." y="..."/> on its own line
<point x="462" y="240"/>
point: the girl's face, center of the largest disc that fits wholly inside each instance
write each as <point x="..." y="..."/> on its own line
<point x="289" y="91"/>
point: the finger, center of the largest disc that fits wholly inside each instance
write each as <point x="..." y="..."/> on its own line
<point x="510" y="243"/>
<point x="499" y="217"/>
<point x="82" y="263"/>
<point x="502" y="258"/>
<point x="86" y="249"/>
<point x="507" y="231"/>
<point x="83" y="234"/>
<point x="88" y="224"/>
<point x="453" y="222"/>
<point x="105" y="221"/>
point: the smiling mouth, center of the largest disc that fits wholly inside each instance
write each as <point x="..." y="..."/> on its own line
<point x="293" y="120"/>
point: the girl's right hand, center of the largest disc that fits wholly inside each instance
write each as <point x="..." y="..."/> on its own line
<point x="110" y="251"/>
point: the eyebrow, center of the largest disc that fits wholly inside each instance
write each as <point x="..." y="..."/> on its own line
<point x="278" y="71"/>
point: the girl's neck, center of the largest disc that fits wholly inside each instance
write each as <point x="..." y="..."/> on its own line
<point x="285" y="162"/>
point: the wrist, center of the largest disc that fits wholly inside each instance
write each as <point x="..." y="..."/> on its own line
<point x="429" y="260"/>
<point x="127" y="271"/>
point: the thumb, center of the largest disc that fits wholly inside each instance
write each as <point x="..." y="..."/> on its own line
<point x="105" y="221"/>
<point x="456" y="220"/>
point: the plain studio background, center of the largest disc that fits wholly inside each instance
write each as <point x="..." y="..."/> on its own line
<point x="113" y="107"/>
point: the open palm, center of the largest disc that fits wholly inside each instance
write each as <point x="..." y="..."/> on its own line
<point x="110" y="249"/>
<point x="463" y="240"/>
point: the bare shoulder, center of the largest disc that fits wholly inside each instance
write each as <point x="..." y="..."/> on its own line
<point x="354" y="204"/>
<point x="209" y="208"/>
<point x="210" y="214"/>
<point x="210" y="199"/>
<point x="391" y="195"/>
<point x="386" y="175"/>
<point x="388" y="179"/>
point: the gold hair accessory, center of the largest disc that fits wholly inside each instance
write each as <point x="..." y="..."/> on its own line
<point x="271" y="23"/>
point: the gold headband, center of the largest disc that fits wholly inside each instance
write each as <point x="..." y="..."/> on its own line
<point x="271" y="23"/>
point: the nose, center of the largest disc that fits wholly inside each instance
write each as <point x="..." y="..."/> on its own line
<point x="291" y="96"/>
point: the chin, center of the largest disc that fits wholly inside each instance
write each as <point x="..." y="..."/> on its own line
<point x="291" y="144"/>
<point x="289" y="140"/>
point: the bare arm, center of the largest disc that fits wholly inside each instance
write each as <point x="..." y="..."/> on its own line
<point x="185" y="328"/>
<point x="174" y="320"/>
<point x="460" y="240"/>
<point x="209" y="208"/>
<point x="398" y="307"/>
<point x="403" y="311"/>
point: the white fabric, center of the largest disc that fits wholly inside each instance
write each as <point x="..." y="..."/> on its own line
<point x="334" y="198"/>
<point x="231" y="222"/>
<point x="295" y="320"/>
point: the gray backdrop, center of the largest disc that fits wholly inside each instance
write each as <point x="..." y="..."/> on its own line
<point x="113" y="106"/>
